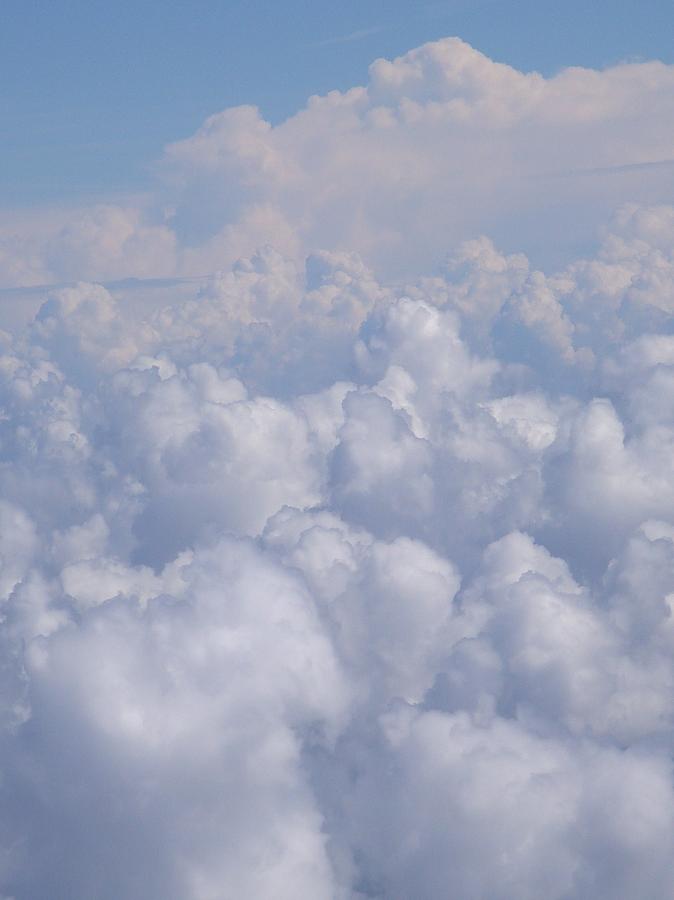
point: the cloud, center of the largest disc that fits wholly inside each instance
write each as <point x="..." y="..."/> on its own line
<point x="413" y="169"/>
<point x="440" y="145"/>
<point x="320" y="581"/>
<point x="358" y="35"/>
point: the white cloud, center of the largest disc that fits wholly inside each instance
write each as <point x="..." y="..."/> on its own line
<point x="314" y="584"/>
<point x="441" y="145"/>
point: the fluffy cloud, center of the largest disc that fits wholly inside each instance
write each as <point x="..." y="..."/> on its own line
<point x="441" y="145"/>
<point x="402" y="167"/>
<point x="320" y="582"/>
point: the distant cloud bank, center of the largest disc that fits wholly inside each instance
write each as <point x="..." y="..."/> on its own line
<point x="441" y="145"/>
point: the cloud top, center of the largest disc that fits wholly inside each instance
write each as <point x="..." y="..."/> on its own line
<point x="441" y="145"/>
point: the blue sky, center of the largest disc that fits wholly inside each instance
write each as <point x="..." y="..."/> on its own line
<point x="93" y="90"/>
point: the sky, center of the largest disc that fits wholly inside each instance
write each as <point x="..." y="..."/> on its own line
<point x="92" y="91"/>
<point x="337" y="453"/>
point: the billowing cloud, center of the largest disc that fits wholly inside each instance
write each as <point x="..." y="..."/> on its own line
<point x="440" y="145"/>
<point x="351" y="574"/>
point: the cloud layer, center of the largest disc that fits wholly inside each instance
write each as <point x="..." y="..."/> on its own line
<point x="440" y="145"/>
<point x="352" y="574"/>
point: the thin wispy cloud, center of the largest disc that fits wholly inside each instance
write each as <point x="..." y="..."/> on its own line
<point x="654" y="165"/>
<point x="359" y="35"/>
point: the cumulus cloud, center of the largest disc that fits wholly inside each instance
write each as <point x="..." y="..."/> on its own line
<point x="440" y="145"/>
<point x="345" y="576"/>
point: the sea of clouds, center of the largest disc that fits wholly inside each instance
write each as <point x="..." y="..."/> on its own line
<point x="352" y="574"/>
